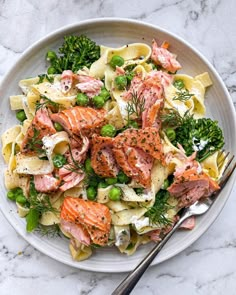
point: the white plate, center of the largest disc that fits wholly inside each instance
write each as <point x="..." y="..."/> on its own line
<point x="117" y="32"/>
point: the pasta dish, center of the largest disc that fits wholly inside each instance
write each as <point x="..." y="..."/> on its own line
<point x="111" y="144"/>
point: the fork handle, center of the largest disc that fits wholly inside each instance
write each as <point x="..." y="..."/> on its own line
<point x="127" y="285"/>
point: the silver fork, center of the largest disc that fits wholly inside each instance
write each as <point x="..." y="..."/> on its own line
<point x="198" y="208"/>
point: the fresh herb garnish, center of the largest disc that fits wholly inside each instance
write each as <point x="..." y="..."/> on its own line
<point x="135" y="107"/>
<point x="45" y="77"/>
<point x="74" y="166"/>
<point x="39" y="204"/>
<point x="47" y="102"/>
<point x="157" y="213"/>
<point x="75" y="53"/>
<point x="51" y="231"/>
<point x="182" y="94"/>
<point x="34" y="143"/>
<point x="201" y="135"/>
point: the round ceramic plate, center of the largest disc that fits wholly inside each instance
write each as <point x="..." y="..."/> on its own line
<point x="117" y="32"/>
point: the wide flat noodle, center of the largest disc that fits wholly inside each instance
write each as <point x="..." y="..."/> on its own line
<point x="122" y="237"/>
<point x="32" y="165"/>
<point x="129" y="194"/>
<point x="13" y="180"/>
<point x="117" y="206"/>
<point x="16" y="102"/>
<point x="53" y="91"/>
<point x="158" y="174"/>
<point x="125" y="217"/>
<point x="8" y="138"/>
<point x="80" y="252"/>
<point x="135" y="241"/>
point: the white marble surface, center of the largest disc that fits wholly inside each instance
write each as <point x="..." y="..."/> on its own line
<point x="208" y="266"/>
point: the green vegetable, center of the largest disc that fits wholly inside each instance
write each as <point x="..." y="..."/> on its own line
<point x="21" y="199"/>
<point x="32" y="219"/>
<point x="58" y="126"/>
<point x="98" y="101"/>
<point x="88" y="166"/>
<point x="166" y="184"/>
<point x="111" y="180"/>
<point x="116" y="61"/>
<point x="91" y="193"/>
<point x="157" y="213"/>
<point x="115" y="194"/>
<point x="11" y="195"/>
<point x="201" y="135"/>
<point x="105" y="94"/>
<point x="179" y="84"/>
<point x="121" y="82"/>
<point x="75" y="53"/>
<point x="93" y="181"/>
<point x="108" y="130"/>
<point x="52" y="71"/>
<point x="59" y="160"/>
<point x="133" y="124"/>
<point x="51" y="55"/>
<point x="21" y="116"/>
<point x="82" y="99"/>
<point x="139" y="190"/>
<point x="135" y="107"/>
<point x="103" y="184"/>
<point x="170" y="132"/>
<point x="122" y="177"/>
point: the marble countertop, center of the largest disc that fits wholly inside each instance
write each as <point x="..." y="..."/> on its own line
<point x="208" y="266"/>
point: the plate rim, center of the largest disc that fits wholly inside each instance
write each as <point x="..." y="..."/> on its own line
<point x="94" y="21"/>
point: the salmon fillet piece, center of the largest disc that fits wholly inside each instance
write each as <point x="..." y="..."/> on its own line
<point x="94" y="217"/>
<point x="41" y="125"/>
<point x="146" y="139"/>
<point x="46" y="183"/>
<point x="161" y="56"/>
<point x="80" y="120"/>
<point x="102" y="157"/>
<point x="190" y="186"/>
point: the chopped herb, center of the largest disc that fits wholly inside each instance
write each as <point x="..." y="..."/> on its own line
<point x="34" y="143"/>
<point x="51" y="231"/>
<point x="45" y="77"/>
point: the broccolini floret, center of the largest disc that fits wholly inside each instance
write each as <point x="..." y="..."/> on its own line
<point x="75" y="53"/>
<point x="201" y="135"/>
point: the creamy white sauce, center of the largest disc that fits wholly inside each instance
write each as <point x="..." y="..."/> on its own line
<point x="122" y="237"/>
<point x="140" y="223"/>
<point x="200" y="146"/>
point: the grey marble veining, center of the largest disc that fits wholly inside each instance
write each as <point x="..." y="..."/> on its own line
<point x="208" y="266"/>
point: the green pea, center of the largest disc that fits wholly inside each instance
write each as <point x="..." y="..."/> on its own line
<point x="165" y="184"/>
<point x="91" y="193"/>
<point x="170" y="132"/>
<point x="111" y="180"/>
<point x="105" y="94"/>
<point x="121" y="82"/>
<point x="103" y="184"/>
<point x="32" y="220"/>
<point x="58" y="126"/>
<point x="133" y="124"/>
<point x="88" y="166"/>
<point x="108" y="130"/>
<point x="51" y="71"/>
<point x="82" y="99"/>
<point x="179" y="84"/>
<point x="139" y="190"/>
<point x="58" y="161"/>
<point x="98" y="101"/>
<point x="116" y="61"/>
<point x="122" y="177"/>
<point x="51" y="55"/>
<point x="11" y="195"/>
<point x="21" y="116"/>
<point x="21" y="199"/>
<point x="114" y="194"/>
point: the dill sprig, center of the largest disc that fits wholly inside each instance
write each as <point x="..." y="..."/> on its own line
<point x="157" y="213"/>
<point x="74" y="166"/>
<point x="34" y="143"/>
<point x="182" y="94"/>
<point x="135" y="107"/>
<point x="51" y="231"/>
<point x="46" y="77"/>
<point x="47" y="102"/>
<point x="171" y="118"/>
